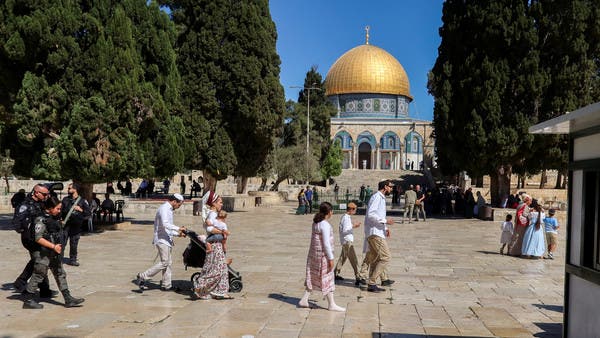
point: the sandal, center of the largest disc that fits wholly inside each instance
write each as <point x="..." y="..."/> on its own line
<point x="222" y="297"/>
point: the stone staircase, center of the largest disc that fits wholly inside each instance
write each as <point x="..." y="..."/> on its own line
<point x="352" y="179"/>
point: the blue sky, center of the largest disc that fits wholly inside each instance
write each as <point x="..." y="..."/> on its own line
<point x="317" y="32"/>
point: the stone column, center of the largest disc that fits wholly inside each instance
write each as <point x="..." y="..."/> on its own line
<point x="378" y="157"/>
<point x="355" y="156"/>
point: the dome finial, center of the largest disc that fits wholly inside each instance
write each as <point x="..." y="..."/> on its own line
<point x="367" y="29"/>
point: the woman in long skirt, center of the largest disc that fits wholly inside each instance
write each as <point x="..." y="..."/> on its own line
<point x="319" y="263"/>
<point x="213" y="280"/>
<point x="533" y="239"/>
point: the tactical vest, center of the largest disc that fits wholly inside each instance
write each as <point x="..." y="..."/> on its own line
<point x="53" y="233"/>
<point x="54" y="230"/>
<point x="26" y="215"/>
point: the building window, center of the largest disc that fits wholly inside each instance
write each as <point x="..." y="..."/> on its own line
<point x="415" y="145"/>
<point x="591" y="220"/>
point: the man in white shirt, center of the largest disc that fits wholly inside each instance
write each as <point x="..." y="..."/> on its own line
<point x="377" y="225"/>
<point x="164" y="230"/>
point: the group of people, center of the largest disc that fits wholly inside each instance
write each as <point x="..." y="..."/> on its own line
<point x="532" y="234"/>
<point x="305" y="200"/>
<point x="46" y="225"/>
<point x="213" y="279"/>
<point x="320" y="272"/>
<point x="414" y="203"/>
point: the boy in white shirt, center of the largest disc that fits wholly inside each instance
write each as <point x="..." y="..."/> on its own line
<point x="347" y="240"/>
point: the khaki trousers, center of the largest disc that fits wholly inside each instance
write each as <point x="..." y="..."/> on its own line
<point x="164" y="253"/>
<point x="378" y="257"/>
<point x="364" y="270"/>
<point x="347" y="253"/>
<point x="408" y="210"/>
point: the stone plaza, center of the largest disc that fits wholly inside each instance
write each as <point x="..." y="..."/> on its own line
<point x="450" y="281"/>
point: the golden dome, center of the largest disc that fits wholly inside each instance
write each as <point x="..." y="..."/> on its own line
<point x="367" y="69"/>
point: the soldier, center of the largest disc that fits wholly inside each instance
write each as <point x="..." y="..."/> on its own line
<point x="47" y="235"/>
<point x="25" y="214"/>
<point x="79" y="215"/>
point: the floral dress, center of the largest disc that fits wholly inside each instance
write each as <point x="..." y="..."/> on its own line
<point x="317" y="275"/>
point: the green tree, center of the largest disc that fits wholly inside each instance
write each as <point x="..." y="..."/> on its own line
<point x="229" y="48"/>
<point x="321" y="112"/>
<point x="486" y="88"/>
<point x="332" y="165"/>
<point x="90" y="89"/>
<point x="282" y="164"/>
<point x="569" y="42"/>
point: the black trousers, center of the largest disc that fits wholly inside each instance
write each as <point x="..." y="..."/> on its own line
<point x="73" y="241"/>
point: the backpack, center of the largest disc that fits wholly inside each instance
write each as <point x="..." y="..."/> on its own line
<point x="23" y="218"/>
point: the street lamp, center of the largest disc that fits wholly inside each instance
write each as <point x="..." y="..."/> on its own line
<point x="307" y="120"/>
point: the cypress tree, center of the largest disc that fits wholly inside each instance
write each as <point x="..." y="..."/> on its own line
<point x="229" y="46"/>
<point x="486" y="88"/>
<point x="96" y="84"/>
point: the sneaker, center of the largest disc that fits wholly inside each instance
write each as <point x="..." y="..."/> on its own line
<point x="360" y="281"/>
<point x="550" y="255"/>
<point x="48" y="293"/>
<point x="32" y="304"/>
<point x="374" y="288"/>
<point x="162" y="288"/>
<point x="387" y="282"/>
<point x="141" y="283"/>
<point x="73" y="262"/>
<point x="338" y="277"/>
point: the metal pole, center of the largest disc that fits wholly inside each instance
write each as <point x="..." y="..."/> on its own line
<point x="308" y="137"/>
<point x="308" y="123"/>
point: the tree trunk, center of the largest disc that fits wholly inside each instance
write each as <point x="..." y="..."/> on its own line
<point x="565" y="178"/>
<point x="275" y="186"/>
<point x="210" y="182"/>
<point x="558" y="180"/>
<point x="500" y="184"/>
<point x="479" y="183"/>
<point x="543" y="179"/>
<point x="263" y="184"/>
<point x="7" y="186"/>
<point x="86" y="190"/>
<point x="242" y="183"/>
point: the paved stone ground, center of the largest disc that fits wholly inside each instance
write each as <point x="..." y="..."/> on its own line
<point x="450" y="281"/>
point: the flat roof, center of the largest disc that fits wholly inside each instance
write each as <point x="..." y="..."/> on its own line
<point x="582" y="118"/>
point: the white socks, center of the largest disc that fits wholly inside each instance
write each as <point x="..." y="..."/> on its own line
<point x="304" y="301"/>
<point x="332" y="305"/>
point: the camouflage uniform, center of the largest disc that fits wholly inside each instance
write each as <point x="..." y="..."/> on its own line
<point x="49" y="228"/>
<point x="24" y="216"/>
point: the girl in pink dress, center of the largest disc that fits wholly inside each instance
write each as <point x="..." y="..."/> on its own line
<point x="319" y="263"/>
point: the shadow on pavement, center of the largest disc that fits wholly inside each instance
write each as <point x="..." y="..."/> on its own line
<point x="550" y="330"/>
<point x="556" y="308"/>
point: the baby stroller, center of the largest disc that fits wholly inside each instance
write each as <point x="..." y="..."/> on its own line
<point x="194" y="256"/>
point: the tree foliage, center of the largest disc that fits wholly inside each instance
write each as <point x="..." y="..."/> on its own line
<point x="332" y="164"/>
<point x="227" y="55"/>
<point x="524" y="62"/>
<point x="90" y="88"/>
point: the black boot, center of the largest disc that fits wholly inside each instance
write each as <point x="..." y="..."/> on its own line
<point x="71" y="301"/>
<point x="30" y="303"/>
<point x="47" y="293"/>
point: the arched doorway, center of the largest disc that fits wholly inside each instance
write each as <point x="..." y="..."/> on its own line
<point x="364" y="156"/>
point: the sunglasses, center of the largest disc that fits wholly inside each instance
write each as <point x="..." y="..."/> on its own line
<point x="43" y="193"/>
<point x="351" y="208"/>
